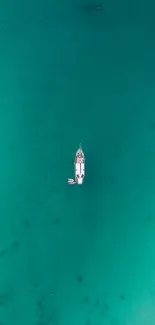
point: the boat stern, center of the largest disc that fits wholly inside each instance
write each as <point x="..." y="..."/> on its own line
<point x="79" y="180"/>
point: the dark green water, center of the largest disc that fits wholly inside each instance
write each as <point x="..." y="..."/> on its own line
<point x="72" y="255"/>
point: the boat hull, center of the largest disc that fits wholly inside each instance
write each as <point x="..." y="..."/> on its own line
<point x="79" y="165"/>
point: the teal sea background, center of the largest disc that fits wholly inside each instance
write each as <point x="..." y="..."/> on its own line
<point x="77" y="255"/>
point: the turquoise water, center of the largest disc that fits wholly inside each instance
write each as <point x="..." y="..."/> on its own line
<point x="72" y="255"/>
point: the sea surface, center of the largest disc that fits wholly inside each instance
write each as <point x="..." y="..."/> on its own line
<point x="71" y="74"/>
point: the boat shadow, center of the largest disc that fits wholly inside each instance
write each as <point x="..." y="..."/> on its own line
<point x="93" y="175"/>
<point x="92" y="196"/>
<point x="92" y="7"/>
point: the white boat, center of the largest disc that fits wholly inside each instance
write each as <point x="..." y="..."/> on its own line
<point x="79" y="168"/>
<point x="79" y="165"/>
